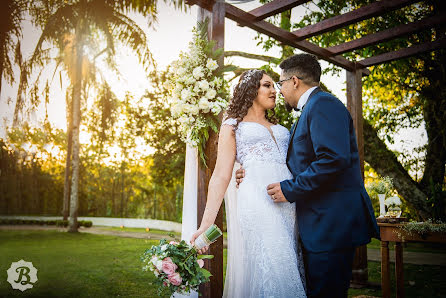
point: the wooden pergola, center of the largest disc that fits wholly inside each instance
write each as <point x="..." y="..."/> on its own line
<point x="218" y="10"/>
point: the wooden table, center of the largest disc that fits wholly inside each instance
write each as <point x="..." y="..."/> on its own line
<point x="395" y="233"/>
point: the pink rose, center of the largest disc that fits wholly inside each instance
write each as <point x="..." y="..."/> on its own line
<point x="200" y="263"/>
<point x="175" y="279"/>
<point x="168" y="266"/>
<point x="173" y="242"/>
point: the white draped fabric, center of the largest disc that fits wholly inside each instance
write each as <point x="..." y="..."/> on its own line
<point x="189" y="223"/>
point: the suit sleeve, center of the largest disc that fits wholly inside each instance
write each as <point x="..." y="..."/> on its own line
<point x="329" y="130"/>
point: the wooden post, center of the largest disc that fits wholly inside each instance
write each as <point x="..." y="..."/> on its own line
<point x="215" y="287"/>
<point x="399" y="269"/>
<point x="385" y="269"/>
<point x="354" y="105"/>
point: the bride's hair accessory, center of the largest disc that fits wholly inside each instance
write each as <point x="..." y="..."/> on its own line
<point x="248" y="75"/>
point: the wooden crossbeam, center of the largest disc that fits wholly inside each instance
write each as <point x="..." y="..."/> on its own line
<point x="404" y="53"/>
<point x="286" y="37"/>
<point x="363" y="13"/>
<point x="275" y="7"/>
<point x="388" y="34"/>
<point x="246" y="19"/>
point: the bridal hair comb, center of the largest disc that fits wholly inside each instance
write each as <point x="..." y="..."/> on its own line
<point x="248" y="76"/>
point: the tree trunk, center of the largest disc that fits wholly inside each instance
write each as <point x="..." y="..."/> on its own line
<point x="113" y="199"/>
<point x="67" y="184"/>
<point x="385" y="164"/>
<point x="77" y="87"/>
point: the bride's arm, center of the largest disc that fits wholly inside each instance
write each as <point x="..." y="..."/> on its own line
<point x="220" y="178"/>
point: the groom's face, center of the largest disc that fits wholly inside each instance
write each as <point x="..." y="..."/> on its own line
<point x="288" y="90"/>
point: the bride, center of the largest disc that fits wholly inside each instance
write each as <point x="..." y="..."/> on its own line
<point x="264" y="258"/>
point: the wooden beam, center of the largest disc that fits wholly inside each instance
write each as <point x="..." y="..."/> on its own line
<point x="388" y="34"/>
<point x="214" y="288"/>
<point x="404" y="53"/>
<point x="354" y="105"/>
<point x="363" y="13"/>
<point x="275" y="7"/>
<point x="286" y="37"/>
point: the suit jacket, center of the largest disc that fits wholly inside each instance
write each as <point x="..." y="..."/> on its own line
<point x="333" y="208"/>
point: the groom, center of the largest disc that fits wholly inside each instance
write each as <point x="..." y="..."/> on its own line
<point x="334" y="212"/>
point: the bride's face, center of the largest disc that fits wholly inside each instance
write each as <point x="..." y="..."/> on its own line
<point x="266" y="95"/>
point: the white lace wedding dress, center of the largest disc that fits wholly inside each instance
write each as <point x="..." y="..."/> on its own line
<point x="264" y="258"/>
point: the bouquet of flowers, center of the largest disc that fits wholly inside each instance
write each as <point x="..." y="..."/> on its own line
<point x="177" y="266"/>
<point x="197" y="91"/>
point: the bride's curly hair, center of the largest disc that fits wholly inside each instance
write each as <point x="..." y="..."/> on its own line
<point x="244" y="94"/>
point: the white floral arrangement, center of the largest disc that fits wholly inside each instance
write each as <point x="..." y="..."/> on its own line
<point x="198" y="92"/>
<point x="393" y="202"/>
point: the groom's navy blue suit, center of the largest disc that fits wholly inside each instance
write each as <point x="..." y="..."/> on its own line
<point x="334" y="212"/>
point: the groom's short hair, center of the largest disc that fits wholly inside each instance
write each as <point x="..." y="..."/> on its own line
<point x="304" y="66"/>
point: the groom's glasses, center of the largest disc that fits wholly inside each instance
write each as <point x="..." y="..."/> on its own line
<point x="280" y="83"/>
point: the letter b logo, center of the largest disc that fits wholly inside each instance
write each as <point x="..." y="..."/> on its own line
<point x="22" y="275"/>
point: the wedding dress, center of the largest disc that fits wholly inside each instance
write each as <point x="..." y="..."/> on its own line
<point x="264" y="257"/>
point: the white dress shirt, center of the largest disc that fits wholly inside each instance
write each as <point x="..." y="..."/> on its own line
<point x="304" y="98"/>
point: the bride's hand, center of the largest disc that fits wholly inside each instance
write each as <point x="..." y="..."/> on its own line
<point x="195" y="235"/>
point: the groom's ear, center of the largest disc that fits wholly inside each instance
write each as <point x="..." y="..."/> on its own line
<point x="295" y="82"/>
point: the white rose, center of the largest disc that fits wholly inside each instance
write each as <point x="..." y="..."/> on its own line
<point x="198" y="72"/>
<point x="211" y="93"/>
<point x="185" y="94"/>
<point x="194" y="110"/>
<point x="204" y="85"/>
<point x="190" y="80"/>
<point x="204" y="105"/>
<point x="159" y="265"/>
<point x="181" y="71"/>
<point x="212" y="64"/>
<point x="163" y="247"/>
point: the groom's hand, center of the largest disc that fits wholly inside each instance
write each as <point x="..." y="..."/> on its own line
<point x="239" y="175"/>
<point x="276" y="193"/>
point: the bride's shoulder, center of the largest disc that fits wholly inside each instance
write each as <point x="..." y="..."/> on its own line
<point x="230" y="121"/>
<point x="283" y="128"/>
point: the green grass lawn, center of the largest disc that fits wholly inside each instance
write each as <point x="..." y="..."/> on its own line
<point x="86" y="265"/>
<point x="77" y="265"/>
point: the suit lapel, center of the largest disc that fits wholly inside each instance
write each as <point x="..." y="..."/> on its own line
<point x="295" y="123"/>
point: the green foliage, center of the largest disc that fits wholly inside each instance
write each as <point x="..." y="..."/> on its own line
<point x="425" y="228"/>
<point x="382" y="186"/>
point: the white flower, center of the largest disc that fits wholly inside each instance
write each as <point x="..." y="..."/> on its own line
<point x="194" y="110"/>
<point x="393" y="201"/>
<point x="163" y="247"/>
<point x="190" y="80"/>
<point x="156" y="272"/>
<point x="211" y="93"/>
<point x="216" y="109"/>
<point x="212" y="64"/>
<point x="180" y="71"/>
<point x="185" y="94"/>
<point x="204" y="85"/>
<point x="204" y="105"/>
<point x="159" y="265"/>
<point x="198" y="72"/>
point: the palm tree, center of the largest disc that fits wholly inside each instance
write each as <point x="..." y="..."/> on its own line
<point x="85" y="20"/>
<point x="11" y="15"/>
